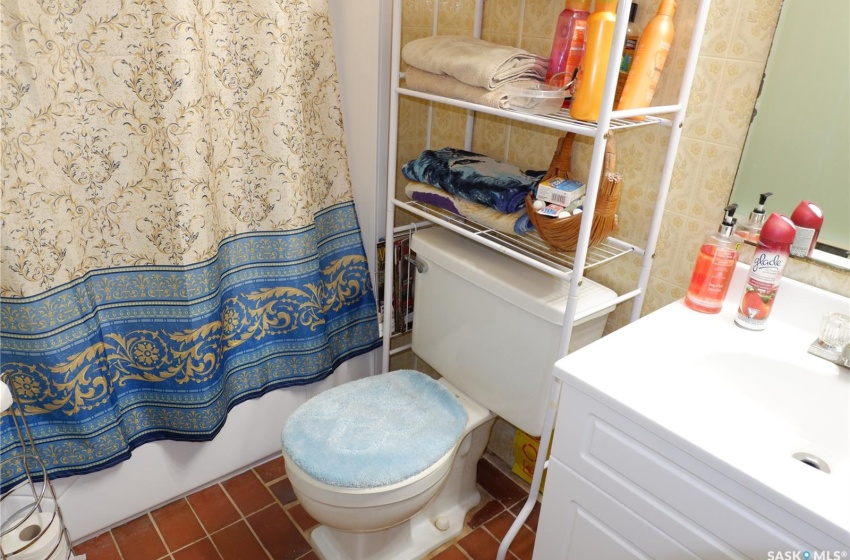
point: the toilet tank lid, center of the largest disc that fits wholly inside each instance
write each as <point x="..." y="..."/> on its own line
<point x="517" y="283"/>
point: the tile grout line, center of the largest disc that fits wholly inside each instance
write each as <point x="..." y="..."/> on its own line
<point x="304" y="533"/>
<point x="158" y="532"/>
<point x="245" y="517"/>
<point x="495" y="538"/>
<point x="242" y="517"/>
<point x="256" y="536"/>
<point x="207" y="534"/>
<point x="286" y="507"/>
<point x="115" y="542"/>
<point x="269" y="482"/>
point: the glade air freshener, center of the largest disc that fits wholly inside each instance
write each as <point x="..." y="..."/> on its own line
<point x="772" y="253"/>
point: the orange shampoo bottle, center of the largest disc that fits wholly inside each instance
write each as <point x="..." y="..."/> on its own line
<point x="590" y="83"/>
<point x="650" y="56"/>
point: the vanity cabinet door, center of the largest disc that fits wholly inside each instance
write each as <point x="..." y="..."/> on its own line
<point x="580" y="521"/>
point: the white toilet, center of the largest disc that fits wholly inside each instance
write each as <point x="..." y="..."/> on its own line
<point x="387" y="464"/>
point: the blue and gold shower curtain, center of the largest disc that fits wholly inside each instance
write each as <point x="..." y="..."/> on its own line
<point x="178" y="228"/>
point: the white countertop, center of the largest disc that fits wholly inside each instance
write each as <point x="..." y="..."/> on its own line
<point x="737" y="398"/>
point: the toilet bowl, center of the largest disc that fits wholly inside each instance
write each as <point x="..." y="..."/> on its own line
<point x="491" y="327"/>
<point x="406" y="518"/>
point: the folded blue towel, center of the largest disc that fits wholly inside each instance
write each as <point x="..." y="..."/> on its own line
<point x="517" y="223"/>
<point x="475" y="177"/>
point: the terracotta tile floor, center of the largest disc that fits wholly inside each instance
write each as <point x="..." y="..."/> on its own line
<point x="255" y="515"/>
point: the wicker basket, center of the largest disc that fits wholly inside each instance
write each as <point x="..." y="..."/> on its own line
<point x="561" y="234"/>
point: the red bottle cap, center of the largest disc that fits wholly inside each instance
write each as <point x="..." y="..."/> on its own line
<point x="807" y="215"/>
<point x="778" y="229"/>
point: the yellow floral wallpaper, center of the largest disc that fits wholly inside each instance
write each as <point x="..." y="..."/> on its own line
<point x="732" y="59"/>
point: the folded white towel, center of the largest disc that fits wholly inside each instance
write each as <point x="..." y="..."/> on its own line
<point x="473" y="61"/>
<point x="447" y="86"/>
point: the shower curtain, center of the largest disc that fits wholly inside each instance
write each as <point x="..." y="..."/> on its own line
<point x="178" y="228"/>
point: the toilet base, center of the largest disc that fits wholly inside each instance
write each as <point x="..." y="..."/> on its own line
<point x="416" y="537"/>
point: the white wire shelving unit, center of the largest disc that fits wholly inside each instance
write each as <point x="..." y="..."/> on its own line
<point x="530" y="249"/>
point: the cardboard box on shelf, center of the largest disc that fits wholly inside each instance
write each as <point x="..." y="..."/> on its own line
<point x="560" y="191"/>
<point x="526" y="449"/>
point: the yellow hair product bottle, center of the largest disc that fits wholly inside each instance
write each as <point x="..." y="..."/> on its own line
<point x="587" y="100"/>
<point x="650" y="56"/>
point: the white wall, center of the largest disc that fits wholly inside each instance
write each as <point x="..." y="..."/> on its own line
<point x="361" y="32"/>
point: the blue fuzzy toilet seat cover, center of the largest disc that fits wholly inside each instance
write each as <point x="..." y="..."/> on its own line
<point x="374" y="431"/>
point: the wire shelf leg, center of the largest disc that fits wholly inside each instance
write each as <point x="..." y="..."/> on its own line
<point x="539" y="466"/>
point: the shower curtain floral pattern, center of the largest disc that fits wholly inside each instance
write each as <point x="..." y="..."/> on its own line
<point x="178" y="228"/>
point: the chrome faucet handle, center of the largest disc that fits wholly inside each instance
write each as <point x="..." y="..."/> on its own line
<point x="835" y="331"/>
<point x="833" y="341"/>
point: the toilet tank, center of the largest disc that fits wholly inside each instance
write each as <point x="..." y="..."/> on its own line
<point x="492" y="325"/>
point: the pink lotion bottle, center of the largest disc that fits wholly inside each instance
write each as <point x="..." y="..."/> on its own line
<point x="714" y="267"/>
<point x="568" y="44"/>
<point x="772" y="253"/>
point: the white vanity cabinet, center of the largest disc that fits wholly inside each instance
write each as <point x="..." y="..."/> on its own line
<point x="616" y="490"/>
<point x="648" y="461"/>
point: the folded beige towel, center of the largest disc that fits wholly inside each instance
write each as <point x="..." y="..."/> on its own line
<point x="447" y="86"/>
<point x="473" y="61"/>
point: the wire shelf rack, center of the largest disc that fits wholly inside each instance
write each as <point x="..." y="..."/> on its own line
<point x="528" y="248"/>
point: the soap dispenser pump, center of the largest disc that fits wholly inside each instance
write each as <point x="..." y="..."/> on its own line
<point x="751" y="229"/>
<point x="714" y="267"/>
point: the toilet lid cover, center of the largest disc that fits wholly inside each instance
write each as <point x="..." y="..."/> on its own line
<point x="374" y="431"/>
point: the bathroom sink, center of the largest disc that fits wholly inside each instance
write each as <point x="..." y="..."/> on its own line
<point x="745" y="402"/>
<point x="791" y="406"/>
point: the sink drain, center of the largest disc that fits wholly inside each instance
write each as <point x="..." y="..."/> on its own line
<point x="812" y="460"/>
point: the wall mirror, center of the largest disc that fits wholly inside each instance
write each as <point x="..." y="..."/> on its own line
<point x="798" y="144"/>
